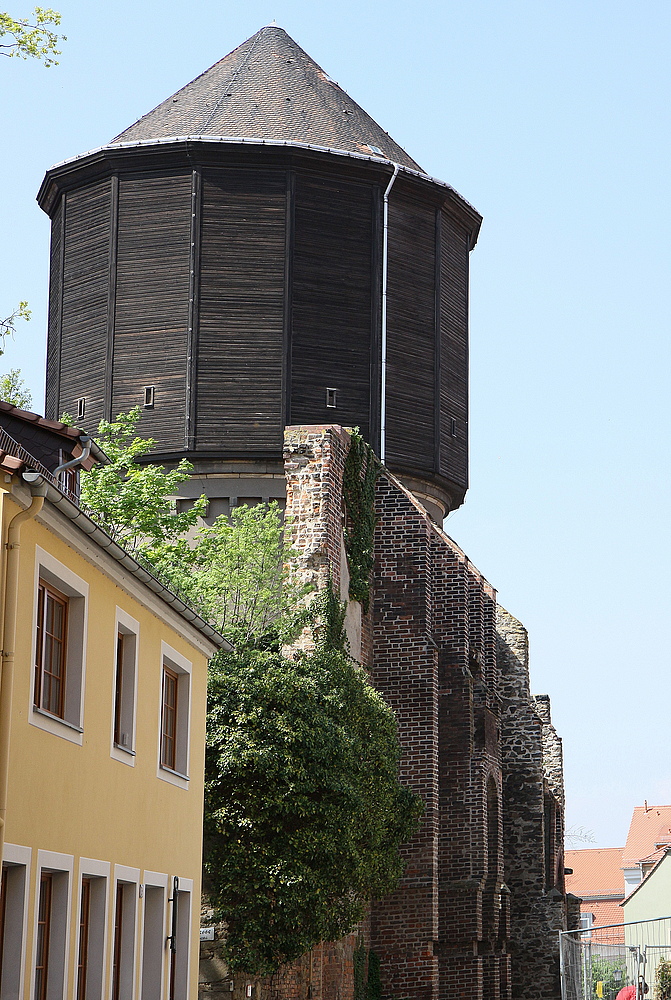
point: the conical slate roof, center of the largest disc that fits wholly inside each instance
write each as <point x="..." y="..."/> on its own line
<point x="268" y="88"/>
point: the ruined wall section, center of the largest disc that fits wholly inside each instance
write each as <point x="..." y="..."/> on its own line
<point x="532" y="856"/>
<point x="479" y="906"/>
<point x="404" y="926"/>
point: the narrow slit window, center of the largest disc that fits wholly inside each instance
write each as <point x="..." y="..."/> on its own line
<point x="169" y="720"/>
<point x="50" y="660"/>
<point x="453" y="427"/>
<point x="84" y="926"/>
<point x="149" y="397"/>
<point x="124" y="689"/>
<point x="43" y="934"/>
<point x="81" y="408"/>
<point x="331" y="398"/>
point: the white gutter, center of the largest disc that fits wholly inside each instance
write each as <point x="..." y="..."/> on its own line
<point x="383" y="338"/>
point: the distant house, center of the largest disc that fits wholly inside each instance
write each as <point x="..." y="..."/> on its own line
<point x="597" y="880"/>
<point x="649" y="836"/>
<point x="604" y="878"/>
<point x="102" y="726"/>
<point x="651" y="898"/>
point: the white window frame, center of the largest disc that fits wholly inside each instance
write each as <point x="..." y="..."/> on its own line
<point x="13" y="975"/>
<point x="53" y="572"/>
<point x="179" y="664"/>
<point x="99" y="873"/>
<point x="130" y="629"/>
<point x="131" y="878"/>
<point x="153" y="989"/>
<point x="63" y="866"/>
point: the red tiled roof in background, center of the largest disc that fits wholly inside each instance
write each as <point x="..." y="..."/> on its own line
<point x="649" y="830"/>
<point x="605" y="912"/>
<point x="597" y="871"/>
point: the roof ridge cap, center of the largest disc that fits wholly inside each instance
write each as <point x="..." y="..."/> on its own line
<point x="235" y="74"/>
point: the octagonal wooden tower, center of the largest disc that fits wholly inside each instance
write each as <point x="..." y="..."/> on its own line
<point x="222" y="263"/>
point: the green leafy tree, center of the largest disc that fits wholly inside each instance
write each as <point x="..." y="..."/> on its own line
<point x="236" y="573"/>
<point x="304" y="810"/>
<point x="8" y="324"/>
<point x="133" y="501"/>
<point x="14" y="390"/>
<point x="604" y="970"/>
<point x="304" y="813"/>
<point x="663" y="979"/>
<point x="32" y="37"/>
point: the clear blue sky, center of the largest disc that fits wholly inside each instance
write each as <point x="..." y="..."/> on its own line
<point x="553" y="120"/>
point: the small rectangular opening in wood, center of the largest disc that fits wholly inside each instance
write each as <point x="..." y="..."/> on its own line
<point x="149" y="396"/>
<point x="81" y="407"/>
<point x="453" y="427"/>
<point x="331" y="398"/>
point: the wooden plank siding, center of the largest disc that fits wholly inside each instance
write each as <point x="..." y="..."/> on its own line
<point x="54" y="321"/>
<point x="84" y="301"/>
<point x="152" y="301"/>
<point x="411" y="319"/>
<point x="242" y="300"/>
<point x="331" y="307"/>
<point x="454" y="351"/>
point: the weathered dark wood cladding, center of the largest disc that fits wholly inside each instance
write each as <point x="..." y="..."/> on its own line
<point x="194" y="301"/>
<point x="331" y="310"/>
<point x="152" y="301"/>
<point x="243" y="282"/>
<point x="84" y="301"/>
<point x="454" y="351"/>
<point x="410" y="332"/>
<point x="54" y="321"/>
<point x="240" y="405"/>
<point x="111" y="296"/>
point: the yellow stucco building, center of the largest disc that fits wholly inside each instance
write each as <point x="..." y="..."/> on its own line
<point x="102" y="730"/>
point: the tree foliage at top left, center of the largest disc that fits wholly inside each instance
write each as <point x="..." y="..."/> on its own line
<point x="31" y="37"/>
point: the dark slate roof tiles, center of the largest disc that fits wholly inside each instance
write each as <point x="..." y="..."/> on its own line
<point x="268" y="88"/>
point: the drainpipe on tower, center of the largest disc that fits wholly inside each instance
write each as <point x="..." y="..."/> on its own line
<point x="383" y="339"/>
<point x="38" y="490"/>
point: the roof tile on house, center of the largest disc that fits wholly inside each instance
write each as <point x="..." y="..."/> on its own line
<point x="649" y="830"/>
<point x="268" y="88"/>
<point x="597" y="871"/>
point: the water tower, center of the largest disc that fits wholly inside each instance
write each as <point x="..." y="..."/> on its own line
<point x="256" y="252"/>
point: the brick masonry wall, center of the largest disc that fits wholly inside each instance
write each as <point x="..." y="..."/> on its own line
<point x="474" y="916"/>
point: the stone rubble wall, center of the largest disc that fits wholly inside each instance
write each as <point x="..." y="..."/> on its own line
<point x="531" y="752"/>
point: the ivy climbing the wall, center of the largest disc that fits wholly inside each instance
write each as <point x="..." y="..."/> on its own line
<point x="361" y="471"/>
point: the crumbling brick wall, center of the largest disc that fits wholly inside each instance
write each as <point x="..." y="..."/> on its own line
<point x="480" y="903"/>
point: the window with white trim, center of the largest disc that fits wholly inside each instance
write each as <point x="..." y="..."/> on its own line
<point x="13" y="916"/>
<point x="174" y="717"/>
<point x="59" y="646"/>
<point x="91" y="929"/>
<point x="52" y="925"/>
<point x="125" y="687"/>
<point x="181" y="928"/>
<point x="153" y="936"/>
<point x="123" y="939"/>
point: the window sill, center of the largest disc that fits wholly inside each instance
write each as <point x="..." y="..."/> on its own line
<point x="178" y="774"/>
<point x="58" y="719"/>
<point x="123" y="749"/>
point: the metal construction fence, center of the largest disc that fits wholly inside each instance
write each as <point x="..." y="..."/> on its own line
<point x="599" y="962"/>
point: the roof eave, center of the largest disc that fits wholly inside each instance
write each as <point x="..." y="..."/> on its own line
<point x="46" y="193"/>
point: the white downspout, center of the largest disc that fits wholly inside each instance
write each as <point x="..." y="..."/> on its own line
<point x="383" y="345"/>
